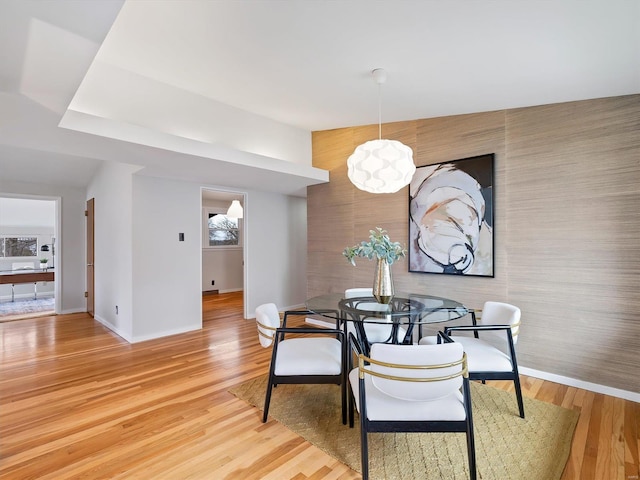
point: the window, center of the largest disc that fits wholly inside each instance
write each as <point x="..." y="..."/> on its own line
<point x="223" y="231"/>
<point x="18" y="246"/>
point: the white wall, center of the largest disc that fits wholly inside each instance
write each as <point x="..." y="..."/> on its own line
<point x="156" y="280"/>
<point x="27" y="212"/>
<point x="297" y="218"/>
<point x="112" y="189"/>
<point x="224" y="266"/>
<point x="276" y="229"/>
<point x="70" y="243"/>
<point x="167" y="273"/>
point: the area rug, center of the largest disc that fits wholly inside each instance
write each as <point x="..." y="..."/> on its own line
<point x="21" y="309"/>
<point x="507" y="447"/>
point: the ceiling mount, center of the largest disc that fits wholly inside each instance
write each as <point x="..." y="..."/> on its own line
<point x="379" y="76"/>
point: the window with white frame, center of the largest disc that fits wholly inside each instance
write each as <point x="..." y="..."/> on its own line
<point x="221" y="230"/>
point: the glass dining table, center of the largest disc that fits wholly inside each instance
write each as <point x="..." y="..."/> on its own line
<point x="406" y="310"/>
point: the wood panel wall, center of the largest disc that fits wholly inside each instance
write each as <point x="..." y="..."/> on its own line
<point x="567" y="226"/>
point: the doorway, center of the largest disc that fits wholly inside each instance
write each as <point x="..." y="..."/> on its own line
<point x="29" y="256"/>
<point x="223" y="251"/>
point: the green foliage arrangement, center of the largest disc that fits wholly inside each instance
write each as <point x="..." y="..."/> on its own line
<point x="378" y="246"/>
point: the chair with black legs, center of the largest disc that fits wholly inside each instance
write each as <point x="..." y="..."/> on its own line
<point x="376" y="332"/>
<point x="306" y="356"/>
<point x="491" y="349"/>
<point x="412" y="388"/>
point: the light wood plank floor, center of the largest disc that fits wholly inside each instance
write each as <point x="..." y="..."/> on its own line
<point x="76" y="401"/>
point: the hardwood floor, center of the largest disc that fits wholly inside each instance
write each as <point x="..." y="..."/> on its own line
<point x="76" y="401"/>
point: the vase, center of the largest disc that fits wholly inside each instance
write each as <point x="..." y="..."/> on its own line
<point x="383" y="282"/>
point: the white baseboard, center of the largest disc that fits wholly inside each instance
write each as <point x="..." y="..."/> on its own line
<point x="73" y="310"/>
<point x="320" y="323"/>
<point x="166" y="333"/>
<point x="111" y="327"/>
<point x="69" y="311"/>
<point x="572" y="382"/>
<point x="144" y="338"/>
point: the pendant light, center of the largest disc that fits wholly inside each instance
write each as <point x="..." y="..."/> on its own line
<point x="235" y="210"/>
<point x="381" y="166"/>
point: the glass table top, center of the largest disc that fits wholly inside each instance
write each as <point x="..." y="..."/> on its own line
<point x="412" y="308"/>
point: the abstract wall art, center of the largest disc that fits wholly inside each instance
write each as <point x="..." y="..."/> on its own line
<point x="451" y="218"/>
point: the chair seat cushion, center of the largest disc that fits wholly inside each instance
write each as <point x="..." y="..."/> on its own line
<point x="481" y="356"/>
<point x="309" y="356"/>
<point x="381" y="406"/>
<point x="378" y="332"/>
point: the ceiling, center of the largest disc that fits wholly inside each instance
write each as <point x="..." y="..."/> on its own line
<point x="158" y="83"/>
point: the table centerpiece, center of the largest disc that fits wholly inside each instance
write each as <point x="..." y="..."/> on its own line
<point x="386" y="253"/>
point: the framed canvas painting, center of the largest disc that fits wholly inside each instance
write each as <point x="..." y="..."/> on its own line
<point x="451" y="218"/>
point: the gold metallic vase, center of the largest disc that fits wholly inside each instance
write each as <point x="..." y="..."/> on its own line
<point x="383" y="282"/>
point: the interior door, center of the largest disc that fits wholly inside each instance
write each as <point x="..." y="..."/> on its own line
<point x="90" y="258"/>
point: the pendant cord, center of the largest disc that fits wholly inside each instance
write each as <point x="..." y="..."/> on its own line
<point x="379" y="112"/>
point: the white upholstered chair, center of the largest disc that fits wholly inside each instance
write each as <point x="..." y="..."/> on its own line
<point x="491" y="350"/>
<point x="412" y="388"/>
<point x="316" y="357"/>
<point x="375" y="332"/>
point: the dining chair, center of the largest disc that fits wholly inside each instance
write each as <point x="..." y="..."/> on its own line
<point x="375" y="332"/>
<point x="316" y="357"/>
<point x="17" y="266"/>
<point x="492" y="357"/>
<point x="412" y="388"/>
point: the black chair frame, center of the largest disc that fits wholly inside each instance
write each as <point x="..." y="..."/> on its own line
<point x="513" y="375"/>
<point x="395" y="324"/>
<point x="376" y="426"/>
<point x="275" y="380"/>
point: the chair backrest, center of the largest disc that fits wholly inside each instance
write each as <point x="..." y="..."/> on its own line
<point x="358" y="292"/>
<point x="267" y="320"/>
<point x="365" y="292"/>
<point x="22" y="266"/>
<point x="433" y="371"/>
<point x="498" y="313"/>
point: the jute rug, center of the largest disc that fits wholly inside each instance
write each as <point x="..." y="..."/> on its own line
<point x="507" y="447"/>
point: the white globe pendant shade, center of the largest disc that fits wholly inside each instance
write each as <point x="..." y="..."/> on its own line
<point x="381" y="166"/>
